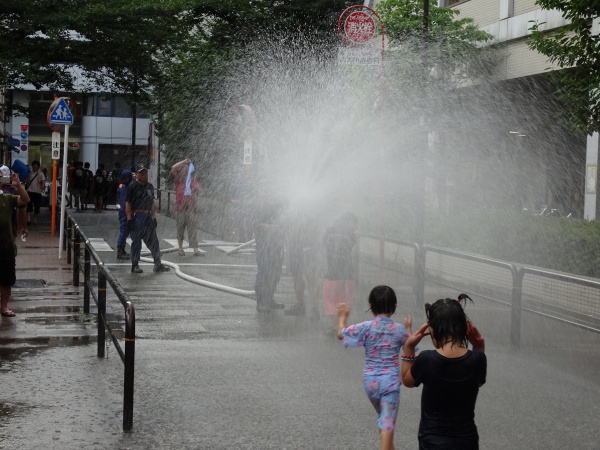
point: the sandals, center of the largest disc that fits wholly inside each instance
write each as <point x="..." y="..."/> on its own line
<point x="181" y="253"/>
<point x="198" y="254"/>
<point x="8" y="313"/>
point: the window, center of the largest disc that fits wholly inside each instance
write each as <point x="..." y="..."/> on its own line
<point x="121" y="108"/>
<point x="103" y="106"/>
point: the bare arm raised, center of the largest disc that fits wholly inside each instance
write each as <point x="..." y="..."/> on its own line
<point x="409" y="351"/>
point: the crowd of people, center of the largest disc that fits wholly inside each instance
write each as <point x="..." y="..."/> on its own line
<point x="86" y="187"/>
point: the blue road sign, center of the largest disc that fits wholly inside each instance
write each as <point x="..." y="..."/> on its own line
<point x="61" y="114"/>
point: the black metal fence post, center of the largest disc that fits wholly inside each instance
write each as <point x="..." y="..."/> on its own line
<point x="419" y="284"/>
<point x="515" y="309"/>
<point x="76" y="255"/>
<point x="101" y="313"/>
<point x="86" y="281"/>
<point x="129" y="367"/>
<point x="67" y="243"/>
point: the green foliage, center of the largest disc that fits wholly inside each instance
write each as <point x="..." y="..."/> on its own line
<point x="114" y="43"/>
<point x="562" y="244"/>
<point x="575" y="49"/>
<point x="197" y="89"/>
<point x="451" y="53"/>
<point x="403" y="20"/>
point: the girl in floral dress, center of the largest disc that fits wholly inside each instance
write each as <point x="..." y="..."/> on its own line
<point x="382" y="339"/>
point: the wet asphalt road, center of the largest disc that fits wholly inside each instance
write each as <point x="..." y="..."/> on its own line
<point x="213" y="374"/>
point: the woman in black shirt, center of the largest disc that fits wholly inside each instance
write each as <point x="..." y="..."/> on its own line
<point x="451" y="376"/>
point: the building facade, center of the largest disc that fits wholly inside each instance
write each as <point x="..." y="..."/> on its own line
<point x="102" y="133"/>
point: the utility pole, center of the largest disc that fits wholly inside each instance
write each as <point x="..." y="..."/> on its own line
<point x="419" y="195"/>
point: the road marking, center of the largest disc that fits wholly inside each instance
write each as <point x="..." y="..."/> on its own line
<point x="227" y="246"/>
<point x="144" y="248"/>
<point x="100" y="245"/>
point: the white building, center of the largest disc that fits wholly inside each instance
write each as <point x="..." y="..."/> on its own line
<point x="519" y="152"/>
<point x="102" y="131"/>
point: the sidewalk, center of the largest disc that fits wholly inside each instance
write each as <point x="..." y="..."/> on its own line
<point x="46" y="304"/>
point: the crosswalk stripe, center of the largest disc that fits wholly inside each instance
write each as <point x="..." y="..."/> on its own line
<point x="227" y="246"/>
<point x="100" y="245"/>
<point x="144" y="248"/>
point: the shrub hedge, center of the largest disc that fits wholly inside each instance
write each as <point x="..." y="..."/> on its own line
<point x="556" y="243"/>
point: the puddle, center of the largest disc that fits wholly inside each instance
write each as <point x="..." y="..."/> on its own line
<point x="8" y="410"/>
<point x="11" y="349"/>
<point x="30" y="284"/>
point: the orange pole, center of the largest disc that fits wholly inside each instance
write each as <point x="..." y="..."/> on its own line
<point x="53" y="197"/>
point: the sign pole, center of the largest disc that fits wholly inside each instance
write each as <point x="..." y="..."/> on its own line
<point x="356" y="27"/>
<point x="63" y="191"/>
<point x="55" y="158"/>
<point x="60" y="114"/>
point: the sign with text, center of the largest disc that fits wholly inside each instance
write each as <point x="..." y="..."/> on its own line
<point x="359" y="56"/>
<point x="247" y="152"/>
<point x="55" y="145"/>
<point x="359" y="27"/>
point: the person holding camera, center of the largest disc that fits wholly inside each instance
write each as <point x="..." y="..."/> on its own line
<point x="8" y="233"/>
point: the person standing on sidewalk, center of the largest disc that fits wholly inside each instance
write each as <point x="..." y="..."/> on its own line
<point x="303" y="263"/>
<point x="99" y="184"/>
<point x="269" y="256"/>
<point x="141" y="220"/>
<point x="339" y="242"/>
<point x="186" y="192"/>
<point x="80" y="185"/>
<point x="8" y="248"/>
<point x="34" y="185"/>
<point x="20" y="215"/>
<point x="126" y="177"/>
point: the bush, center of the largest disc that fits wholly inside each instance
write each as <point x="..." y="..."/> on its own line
<point x="561" y="244"/>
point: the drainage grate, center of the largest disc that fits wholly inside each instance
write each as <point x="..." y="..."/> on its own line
<point x="30" y="283"/>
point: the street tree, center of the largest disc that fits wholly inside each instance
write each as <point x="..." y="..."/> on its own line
<point x="449" y="54"/>
<point x="197" y="93"/>
<point x="111" y="43"/>
<point x="574" y="48"/>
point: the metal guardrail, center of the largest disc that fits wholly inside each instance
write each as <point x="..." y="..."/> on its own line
<point x="160" y="193"/>
<point x="573" y="300"/>
<point x="566" y="292"/>
<point x="515" y="303"/>
<point x="75" y="236"/>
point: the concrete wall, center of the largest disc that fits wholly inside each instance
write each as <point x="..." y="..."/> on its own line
<point x="524" y="6"/>
<point x="484" y="12"/>
<point x="509" y="22"/>
<point x="522" y="62"/>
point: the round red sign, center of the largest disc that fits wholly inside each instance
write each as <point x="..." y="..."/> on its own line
<point x="359" y="27"/>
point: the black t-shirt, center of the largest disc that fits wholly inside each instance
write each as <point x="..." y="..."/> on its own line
<point x="100" y="183"/>
<point x="81" y="178"/>
<point x="141" y="196"/>
<point x="339" y="245"/>
<point x="450" y="387"/>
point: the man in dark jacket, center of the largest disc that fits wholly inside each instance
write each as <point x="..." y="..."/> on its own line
<point x="141" y="220"/>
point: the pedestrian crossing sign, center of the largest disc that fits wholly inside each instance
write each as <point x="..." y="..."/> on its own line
<point x="61" y="114"/>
